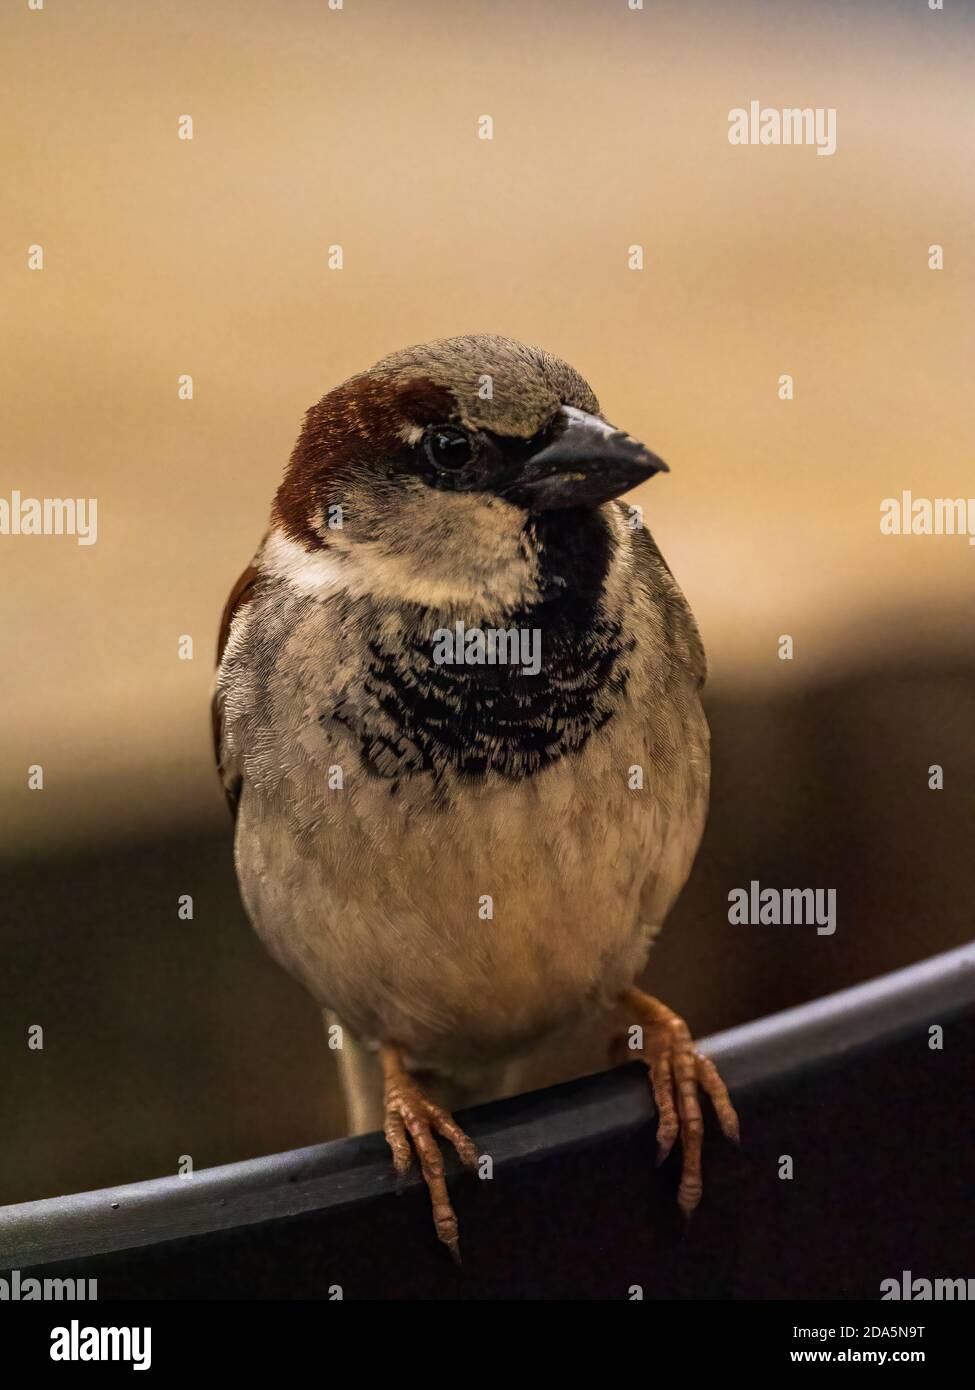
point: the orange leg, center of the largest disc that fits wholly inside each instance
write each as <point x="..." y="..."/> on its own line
<point x="409" y="1112"/>
<point x="677" y="1069"/>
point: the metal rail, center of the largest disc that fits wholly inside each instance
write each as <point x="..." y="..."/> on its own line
<point x="348" y="1171"/>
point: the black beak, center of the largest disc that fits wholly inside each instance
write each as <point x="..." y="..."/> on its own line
<point x="586" y="464"/>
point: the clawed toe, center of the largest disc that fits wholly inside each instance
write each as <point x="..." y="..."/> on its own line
<point x="677" y="1070"/>
<point x="412" y="1123"/>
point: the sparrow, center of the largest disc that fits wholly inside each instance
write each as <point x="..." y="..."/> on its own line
<point x="464" y="855"/>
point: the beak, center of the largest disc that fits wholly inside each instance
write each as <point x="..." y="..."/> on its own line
<point x="586" y="464"/>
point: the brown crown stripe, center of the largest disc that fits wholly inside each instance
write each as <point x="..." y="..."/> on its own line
<point x="357" y="423"/>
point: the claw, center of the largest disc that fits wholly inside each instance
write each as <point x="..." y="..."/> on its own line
<point x="677" y="1070"/>
<point x="410" y="1113"/>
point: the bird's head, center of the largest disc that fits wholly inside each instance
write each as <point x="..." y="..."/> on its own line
<point x="428" y="477"/>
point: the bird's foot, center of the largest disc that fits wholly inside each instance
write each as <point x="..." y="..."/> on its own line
<point x="677" y="1069"/>
<point x="410" y="1113"/>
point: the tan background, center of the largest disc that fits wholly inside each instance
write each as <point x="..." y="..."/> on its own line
<point x="209" y="257"/>
<point x="358" y="127"/>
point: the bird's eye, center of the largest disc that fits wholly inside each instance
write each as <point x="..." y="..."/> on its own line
<point x="447" y="447"/>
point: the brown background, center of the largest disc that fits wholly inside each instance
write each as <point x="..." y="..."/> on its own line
<point x="209" y="257"/>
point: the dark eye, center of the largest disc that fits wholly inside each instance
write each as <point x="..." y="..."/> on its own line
<point x="447" y="447"/>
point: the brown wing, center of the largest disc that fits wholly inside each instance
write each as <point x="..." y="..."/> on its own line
<point x="240" y="594"/>
<point x="679" y="623"/>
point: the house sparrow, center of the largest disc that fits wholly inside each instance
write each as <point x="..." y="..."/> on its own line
<point x="460" y="852"/>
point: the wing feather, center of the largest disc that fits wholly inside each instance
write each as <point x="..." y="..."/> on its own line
<point x="240" y="595"/>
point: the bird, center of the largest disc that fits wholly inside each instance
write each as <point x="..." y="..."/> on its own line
<point x="457" y="717"/>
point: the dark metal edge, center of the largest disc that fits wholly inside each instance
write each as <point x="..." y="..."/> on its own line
<point x="347" y="1171"/>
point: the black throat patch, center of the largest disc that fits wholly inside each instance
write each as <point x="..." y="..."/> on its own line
<point x="417" y="716"/>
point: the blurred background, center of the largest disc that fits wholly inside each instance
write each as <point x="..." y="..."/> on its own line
<point x="209" y="257"/>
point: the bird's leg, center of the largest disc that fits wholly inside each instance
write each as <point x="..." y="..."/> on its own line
<point x="409" y="1112"/>
<point x="676" y="1071"/>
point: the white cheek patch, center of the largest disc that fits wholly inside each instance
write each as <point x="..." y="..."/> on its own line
<point x="411" y="434"/>
<point x="316" y="573"/>
<point x="357" y="570"/>
<point x="363" y="569"/>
